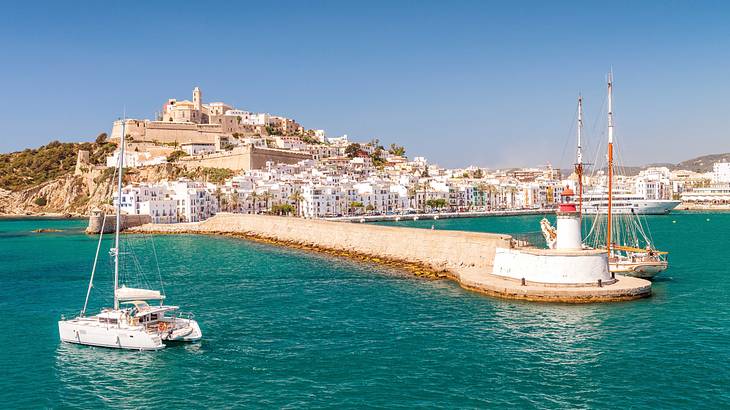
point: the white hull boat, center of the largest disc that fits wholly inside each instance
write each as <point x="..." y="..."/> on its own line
<point x="137" y="325"/>
<point x="629" y="206"/>
<point x="89" y="331"/>
<point x="617" y="227"/>
<point x="644" y="270"/>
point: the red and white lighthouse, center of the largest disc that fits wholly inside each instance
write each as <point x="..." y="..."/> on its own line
<point x="568" y="225"/>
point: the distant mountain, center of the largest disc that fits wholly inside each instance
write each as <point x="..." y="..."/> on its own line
<point x="703" y="163"/>
<point x="700" y="164"/>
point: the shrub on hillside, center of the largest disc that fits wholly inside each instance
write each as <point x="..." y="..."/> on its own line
<point x="176" y="155"/>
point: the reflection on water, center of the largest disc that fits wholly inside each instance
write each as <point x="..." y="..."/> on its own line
<point x="87" y="373"/>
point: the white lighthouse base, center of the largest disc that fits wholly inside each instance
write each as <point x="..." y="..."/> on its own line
<point x="562" y="267"/>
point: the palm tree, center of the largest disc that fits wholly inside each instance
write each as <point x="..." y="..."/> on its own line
<point x="218" y="197"/>
<point x="413" y="193"/>
<point x="266" y="196"/>
<point x="297" y="197"/>
<point x="234" y="200"/>
<point x="482" y="189"/>
<point x="254" y="197"/>
<point x="425" y="192"/>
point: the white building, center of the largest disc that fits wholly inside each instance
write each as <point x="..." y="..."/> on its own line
<point x="147" y="200"/>
<point x="195" y="201"/>
<point x="134" y="159"/>
<point x="721" y="172"/>
<point x="654" y="183"/>
<point x="195" y="148"/>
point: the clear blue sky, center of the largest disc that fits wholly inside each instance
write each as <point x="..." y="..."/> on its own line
<point x="485" y="83"/>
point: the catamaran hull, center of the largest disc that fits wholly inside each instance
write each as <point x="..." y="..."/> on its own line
<point x="74" y="331"/>
<point x="185" y="330"/>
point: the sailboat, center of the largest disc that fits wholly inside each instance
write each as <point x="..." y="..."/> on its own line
<point x="625" y="236"/>
<point x="144" y="322"/>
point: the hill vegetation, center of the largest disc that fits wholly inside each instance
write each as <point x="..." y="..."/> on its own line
<point x="703" y="163"/>
<point x="31" y="167"/>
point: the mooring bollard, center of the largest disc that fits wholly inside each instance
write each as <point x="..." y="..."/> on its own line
<point x="600" y="283"/>
<point x="523" y="281"/>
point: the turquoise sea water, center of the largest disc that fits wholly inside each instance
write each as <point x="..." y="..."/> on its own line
<point x="284" y="328"/>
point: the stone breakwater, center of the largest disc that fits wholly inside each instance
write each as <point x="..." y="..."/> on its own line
<point x="127" y="221"/>
<point x="465" y="257"/>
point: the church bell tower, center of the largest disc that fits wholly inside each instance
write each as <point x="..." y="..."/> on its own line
<point x="197" y="99"/>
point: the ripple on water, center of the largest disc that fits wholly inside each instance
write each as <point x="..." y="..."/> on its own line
<point x="285" y="328"/>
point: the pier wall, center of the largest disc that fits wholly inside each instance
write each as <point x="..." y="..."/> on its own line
<point x="466" y="257"/>
<point x="440" y="250"/>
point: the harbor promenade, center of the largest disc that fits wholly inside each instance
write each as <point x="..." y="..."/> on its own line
<point x="439" y="215"/>
<point x="465" y="257"/>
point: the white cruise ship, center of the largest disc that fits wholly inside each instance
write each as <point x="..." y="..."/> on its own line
<point x="625" y="202"/>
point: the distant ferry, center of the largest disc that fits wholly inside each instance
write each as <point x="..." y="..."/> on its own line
<point x="626" y="203"/>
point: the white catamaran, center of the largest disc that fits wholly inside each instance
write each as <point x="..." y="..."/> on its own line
<point x="138" y="325"/>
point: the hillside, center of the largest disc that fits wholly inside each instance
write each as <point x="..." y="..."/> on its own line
<point x="32" y="167"/>
<point x="700" y="164"/>
<point x="703" y="163"/>
<point x="43" y="180"/>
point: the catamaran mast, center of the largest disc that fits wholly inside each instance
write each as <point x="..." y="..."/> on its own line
<point x="610" y="161"/>
<point x="579" y="156"/>
<point x="118" y="214"/>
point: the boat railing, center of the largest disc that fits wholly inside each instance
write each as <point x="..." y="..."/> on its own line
<point x="184" y="315"/>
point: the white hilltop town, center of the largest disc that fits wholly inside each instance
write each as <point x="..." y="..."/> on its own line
<point x="274" y="165"/>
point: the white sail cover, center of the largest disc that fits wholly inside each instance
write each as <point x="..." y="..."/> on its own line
<point x="127" y="294"/>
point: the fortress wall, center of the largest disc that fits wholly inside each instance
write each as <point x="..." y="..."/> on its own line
<point x="244" y="158"/>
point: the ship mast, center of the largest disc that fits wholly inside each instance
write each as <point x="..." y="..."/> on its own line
<point x="118" y="216"/>
<point x="610" y="161"/>
<point x="579" y="156"/>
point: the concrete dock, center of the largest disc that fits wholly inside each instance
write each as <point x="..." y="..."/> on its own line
<point x="465" y="257"/>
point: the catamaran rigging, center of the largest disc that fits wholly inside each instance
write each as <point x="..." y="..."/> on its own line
<point x="138" y="326"/>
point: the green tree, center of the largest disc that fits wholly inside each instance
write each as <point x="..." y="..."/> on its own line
<point x="266" y="197"/>
<point x="355" y="205"/>
<point x="254" y="196"/>
<point x="352" y="149"/>
<point x="176" y="155"/>
<point x="282" y="209"/>
<point x="234" y="200"/>
<point x="377" y="158"/>
<point x="101" y="139"/>
<point x="218" y="194"/>
<point x="397" y="150"/>
<point x="297" y="198"/>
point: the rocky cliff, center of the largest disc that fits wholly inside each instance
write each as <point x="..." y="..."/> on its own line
<point x="90" y="186"/>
